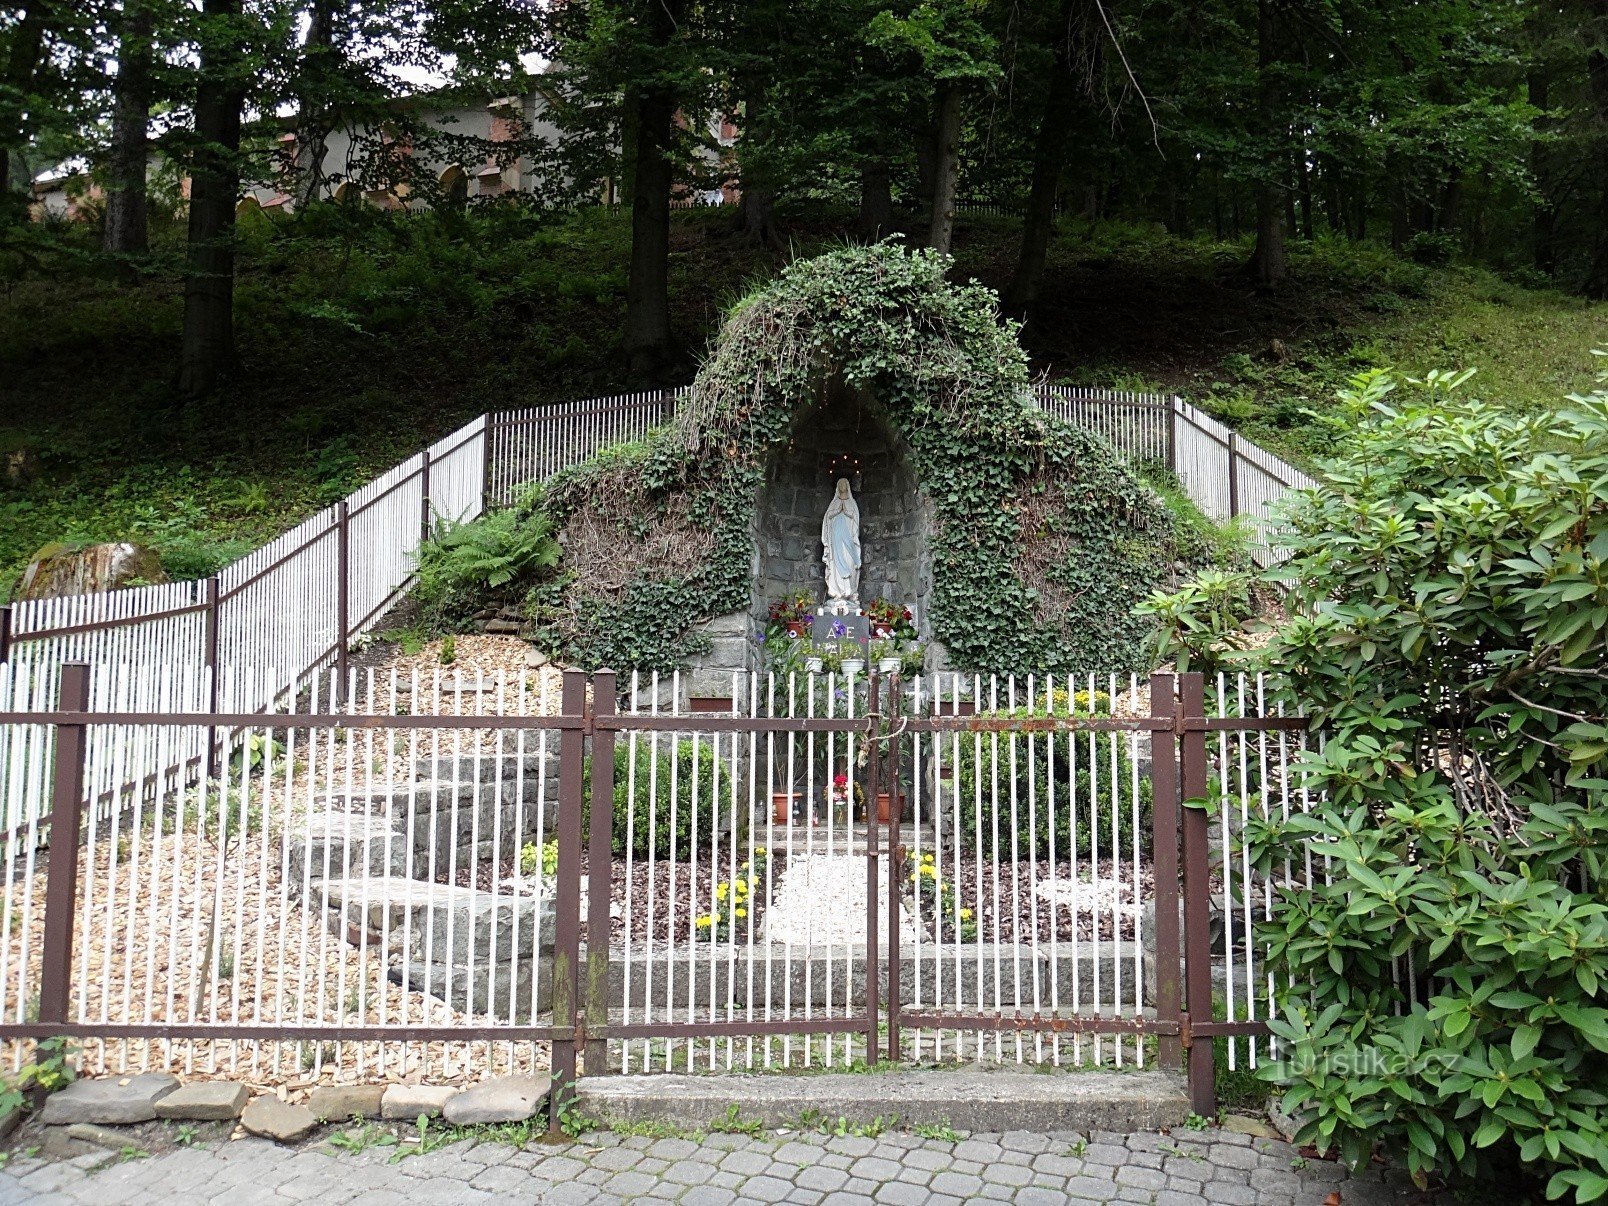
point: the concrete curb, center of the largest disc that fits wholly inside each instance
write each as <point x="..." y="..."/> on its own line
<point x="966" y="1099"/>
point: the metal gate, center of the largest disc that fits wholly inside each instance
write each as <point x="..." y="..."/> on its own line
<point x="636" y="875"/>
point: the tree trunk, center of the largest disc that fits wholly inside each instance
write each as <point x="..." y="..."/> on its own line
<point x="207" y="344"/>
<point x="126" y="229"/>
<point x="1268" y="260"/>
<point x="1544" y="222"/>
<point x="16" y="83"/>
<point x="875" y="220"/>
<point x="756" y="215"/>
<point x="647" y="292"/>
<point x="313" y="105"/>
<point x="1049" y="155"/>
<point x="946" y="169"/>
<point x="1596" y="282"/>
<point x="1303" y="183"/>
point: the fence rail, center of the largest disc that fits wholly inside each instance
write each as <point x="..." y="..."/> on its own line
<point x="452" y="877"/>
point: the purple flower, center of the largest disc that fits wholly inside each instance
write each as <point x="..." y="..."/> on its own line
<point x="838" y="630"/>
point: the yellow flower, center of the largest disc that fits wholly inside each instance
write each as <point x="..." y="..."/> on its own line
<point x="965" y="914"/>
<point x="705" y="922"/>
<point x="930" y="872"/>
<point x="926" y="858"/>
<point x="759" y="850"/>
<point x="742" y="887"/>
<point x="720" y="891"/>
<point x="742" y="912"/>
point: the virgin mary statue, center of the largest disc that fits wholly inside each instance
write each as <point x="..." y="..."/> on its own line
<point x="840" y="542"/>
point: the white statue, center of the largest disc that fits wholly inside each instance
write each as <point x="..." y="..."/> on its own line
<point x="840" y="543"/>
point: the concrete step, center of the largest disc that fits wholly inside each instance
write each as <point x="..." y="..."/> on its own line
<point x="971" y="1099"/>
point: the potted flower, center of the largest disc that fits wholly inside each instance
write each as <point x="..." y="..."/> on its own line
<point x="890" y="807"/>
<point x="792" y="614"/>
<point x="886" y="655"/>
<point x="890" y="621"/>
<point x="814" y="658"/>
<point x="852" y="666"/>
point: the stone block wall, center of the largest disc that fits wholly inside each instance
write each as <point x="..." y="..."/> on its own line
<point x="895" y="520"/>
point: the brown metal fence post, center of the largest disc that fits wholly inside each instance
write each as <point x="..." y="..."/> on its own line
<point x="1196" y="785"/>
<point x="1172" y="436"/>
<point x="873" y="965"/>
<point x="209" y="655"/>
<point x="424" y="496"/>
<point x="485" y="463"/>
<point x="600" y="871"/>
<point x="1233" y="475"/>
<point x="5" y="634"/>
<point x="343" y="596"/>
<point x="895" y="782"/>
<point x="66" y="817"/>
<point x="567" y="905"/>
<point x="1164" y="820"/>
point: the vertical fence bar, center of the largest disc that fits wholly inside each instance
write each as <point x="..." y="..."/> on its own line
<point x="567" y="906"/>
<point x="600" y="871"/>
<point x="5" y="634"/>
<point x="343" y="596"/>
<point x="1164" y="819"/>
<point x="66" y="816"/>
<point x="1197" y="891"/>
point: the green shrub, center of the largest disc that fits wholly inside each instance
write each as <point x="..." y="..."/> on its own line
<point x="643" y="803"/>
<point x="1447" y="976"/>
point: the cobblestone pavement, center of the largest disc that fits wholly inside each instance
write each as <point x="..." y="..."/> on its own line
<point x="1164" y="1169"/>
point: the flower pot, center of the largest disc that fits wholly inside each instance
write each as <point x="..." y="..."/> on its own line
<point x="890" y="808"/>
<point x="853" y="665"/>
<point x="888" y="665"/>
<point x="798" y="628"/>
<point x="782" y="803"/>
<point x="813" y="665"/>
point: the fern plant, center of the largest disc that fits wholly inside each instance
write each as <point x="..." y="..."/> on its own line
<point x="465" y="566"/>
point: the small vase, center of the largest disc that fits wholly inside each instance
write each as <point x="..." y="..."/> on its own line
<point x="798" y="628"/>
<point x="890" y="808"/>
<point x="853" y="666"/>
<point x="782" y="807"/>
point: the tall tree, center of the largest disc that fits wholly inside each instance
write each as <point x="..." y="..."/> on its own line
<point x="1269" y="263"/>
<point x="207" y="342"/>
<point x="126" y="229"/>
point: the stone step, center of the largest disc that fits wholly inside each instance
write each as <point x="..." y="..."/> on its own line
<point x="970" y="1098"/>
<point x="490" y="823"/>
<point x="335" y="845"/>
<point x="440" y="923"/>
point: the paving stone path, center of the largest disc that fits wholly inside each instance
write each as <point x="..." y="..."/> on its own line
<point x="1163" y="1169"/>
